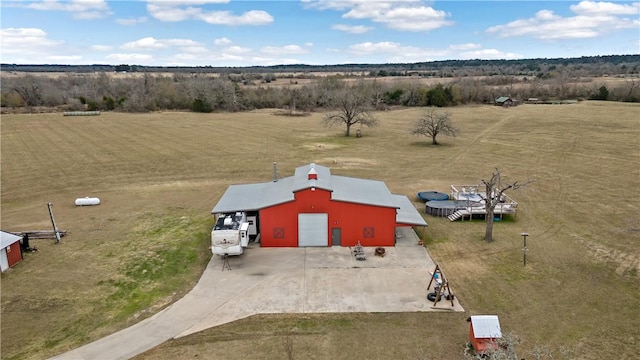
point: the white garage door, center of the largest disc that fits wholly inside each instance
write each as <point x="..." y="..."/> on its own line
<point x="313" y="230"/>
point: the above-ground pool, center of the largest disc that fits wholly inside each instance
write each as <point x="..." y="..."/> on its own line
<point x="448" y="207"/>
<point x="432" y="196"/>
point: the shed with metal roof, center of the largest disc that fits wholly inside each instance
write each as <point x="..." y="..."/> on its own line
<point x="504" y="101"/>
<point x="316" y="208"/>
<point x="10" y="251"/>
<point x="484" y="330"/>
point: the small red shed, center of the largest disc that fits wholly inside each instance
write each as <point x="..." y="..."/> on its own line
<point x="484" y="330"/>
<point x="10" y="251"/>
<point x="316" y="208"/>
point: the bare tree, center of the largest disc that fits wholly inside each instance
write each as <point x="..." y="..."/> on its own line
<point x="494" y="191"/>
<point x="505" y="349"/>
<point x="434" y="123"/>
<point x="352" y="108"/>
<point x="632" y="85"/>
<point x="29" y="88"/>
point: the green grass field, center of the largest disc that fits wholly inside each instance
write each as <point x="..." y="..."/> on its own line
<point x="158" y="176"/>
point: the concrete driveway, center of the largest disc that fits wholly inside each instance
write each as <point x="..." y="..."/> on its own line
<point x="284" y="280"/>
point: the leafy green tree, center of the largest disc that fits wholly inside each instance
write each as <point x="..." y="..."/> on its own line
<point x="108" y="103"/>
<point x="440" y="96"/>
<point x="393" y="97"/>
<point x="602" y="94"/>
<point x="202" y="106"/>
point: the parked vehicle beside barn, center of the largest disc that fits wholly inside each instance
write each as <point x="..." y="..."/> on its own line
<point x="315" y="208"/>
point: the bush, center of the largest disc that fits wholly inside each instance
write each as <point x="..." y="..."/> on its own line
<point x="201" y="106"/>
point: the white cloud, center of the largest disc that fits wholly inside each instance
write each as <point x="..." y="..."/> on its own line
<point x="230" y="57"/>
<point x="101" y="48"/>
<point x="408" y="15"/>
<point x="131" y="21"/>
<point x="147" y="43"/>
<point x="129" y="57"/>
<point x="341" y="5"/>
<point x="397" y="53"/>
<point x="287" y="49"/>
<point x="593" y="19"/>
<point x="411" y="18"/>
<point x="195" y="49"/>
<point x="394" y="52"/>
<point x="237" y="50"/>
<point x="172" y="14"/>
<point x="253" y="17"/>
<point x="467" y="46"/>
<point x="33" y="46"/>
<point x="177" y="3"/>
<point x="352" y="29"/>
<point x="264" y="61"/>
<point x="24" y="41"/>
<point x="600" y="8"/>
<point x="489" y="54"/>
<point x="173" y="11"/>
<point x="181" y="42"/>
<point x="151" y="43"/>
<point x="64" y="59"/>
<point x="222" y="41"/>
<point x="81" y="9"/>
<point x="366" y="48"/>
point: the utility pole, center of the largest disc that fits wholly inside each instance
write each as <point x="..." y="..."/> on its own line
<point x="524" y="248"/>
<point x="53" y="222"/>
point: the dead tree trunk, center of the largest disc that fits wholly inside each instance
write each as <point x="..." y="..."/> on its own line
<point x="494" y="193"/>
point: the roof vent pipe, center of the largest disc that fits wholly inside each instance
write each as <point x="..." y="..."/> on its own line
<point x="275" y="172"/>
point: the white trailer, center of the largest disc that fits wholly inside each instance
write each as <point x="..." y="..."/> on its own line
<point x="230" y="234"/>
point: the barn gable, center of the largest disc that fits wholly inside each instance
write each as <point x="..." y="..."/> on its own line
<point x="291" y="209"/>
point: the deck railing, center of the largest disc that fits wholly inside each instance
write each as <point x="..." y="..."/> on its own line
<point x="462" y="192"/>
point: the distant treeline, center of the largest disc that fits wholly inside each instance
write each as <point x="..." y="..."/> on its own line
<point x="143" y="89"/>
<point x="514" y="67"/>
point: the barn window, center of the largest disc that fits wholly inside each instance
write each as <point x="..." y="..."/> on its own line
<point x="278" y="233"/>
<point x="368" y="232"/>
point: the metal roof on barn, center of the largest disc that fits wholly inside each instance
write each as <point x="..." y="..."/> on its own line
<point x="486" y="326"/>
<point x="252" y="197"/>
<point x="406" y="213"/>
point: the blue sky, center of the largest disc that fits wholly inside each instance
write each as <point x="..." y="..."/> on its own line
<point x="246" y="33"/>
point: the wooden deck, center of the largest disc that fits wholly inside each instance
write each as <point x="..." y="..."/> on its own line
<point x="475" y="200"/>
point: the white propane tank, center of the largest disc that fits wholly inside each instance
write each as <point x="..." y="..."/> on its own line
<point x="87" y="201"/>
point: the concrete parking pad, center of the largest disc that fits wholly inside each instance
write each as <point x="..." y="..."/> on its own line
<point x="285" y="280"/>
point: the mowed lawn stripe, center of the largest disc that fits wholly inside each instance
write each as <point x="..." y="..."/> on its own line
<point x="159" y="175"/>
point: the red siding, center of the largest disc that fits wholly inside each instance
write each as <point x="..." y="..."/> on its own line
<point x="481" y="345"/>
<point x="355" y="220"/>
<point x="14" y="253"/>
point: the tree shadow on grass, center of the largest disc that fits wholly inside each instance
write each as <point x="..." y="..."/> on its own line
<point x="428" y="144"/>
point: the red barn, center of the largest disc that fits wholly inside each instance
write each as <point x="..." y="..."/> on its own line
<point x="10" y="251"/>
<point x="484" y="330"/>
<point x="315" y="208"/>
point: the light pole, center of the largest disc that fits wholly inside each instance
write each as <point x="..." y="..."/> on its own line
<point x="524" y="248"/>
